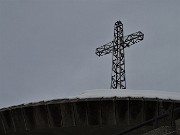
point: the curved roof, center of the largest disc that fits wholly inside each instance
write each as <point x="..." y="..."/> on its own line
<point x="110" y="93"/>
<point x="121" y="93"/>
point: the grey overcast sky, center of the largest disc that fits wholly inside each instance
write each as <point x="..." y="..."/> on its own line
<point x="47" y="47"/>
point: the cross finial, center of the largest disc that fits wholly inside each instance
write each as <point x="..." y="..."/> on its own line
<point x="116" y="47"/>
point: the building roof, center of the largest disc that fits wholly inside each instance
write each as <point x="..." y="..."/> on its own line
<point x="121" y="93"/>
<point x="108" y="93"/>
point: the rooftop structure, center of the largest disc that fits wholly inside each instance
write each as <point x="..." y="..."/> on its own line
<point x="116" y="47"/>
<point x="97" y="112"/>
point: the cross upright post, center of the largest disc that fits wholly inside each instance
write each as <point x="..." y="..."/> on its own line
<point x="116" y="47"/>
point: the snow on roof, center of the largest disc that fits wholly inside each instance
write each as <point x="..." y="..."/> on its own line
<point x="121" y="93"/>
<point x="111" y="93"/>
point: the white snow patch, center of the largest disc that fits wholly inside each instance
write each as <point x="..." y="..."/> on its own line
<point x="121" y="93"/>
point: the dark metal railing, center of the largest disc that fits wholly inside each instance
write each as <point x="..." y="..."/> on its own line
<point x="155" y="119"/>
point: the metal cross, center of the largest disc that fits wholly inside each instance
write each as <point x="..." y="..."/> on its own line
<point x="116" y="47"/>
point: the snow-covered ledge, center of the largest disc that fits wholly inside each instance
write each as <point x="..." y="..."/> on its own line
<point x="121" y="93"/>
